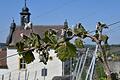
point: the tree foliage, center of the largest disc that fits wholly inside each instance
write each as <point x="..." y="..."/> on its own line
<point x="66" y="51"/>
<point x="61" y="43"/>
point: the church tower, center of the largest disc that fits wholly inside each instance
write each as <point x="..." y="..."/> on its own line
<point x="25" y="15"/>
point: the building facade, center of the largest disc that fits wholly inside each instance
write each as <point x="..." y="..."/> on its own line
<point x="14" y="67"/>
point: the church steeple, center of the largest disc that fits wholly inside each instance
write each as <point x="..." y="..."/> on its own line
<point x="25" y="2"/>
<point x="25" y="15"/>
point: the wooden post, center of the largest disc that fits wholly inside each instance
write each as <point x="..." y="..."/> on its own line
<point x="25" y="74"/>
<point x="63" y="69"/>
<point x="35" y="75"/>
<point x="28" y="75"/>
<point x="3" y="77"/>
<point x="10" y="76"/>
<point x="19" y="76"/>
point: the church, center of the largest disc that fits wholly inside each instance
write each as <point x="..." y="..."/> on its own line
<point x="15" y="68"/>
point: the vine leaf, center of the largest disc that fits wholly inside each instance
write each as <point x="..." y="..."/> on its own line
<point x="69" y="32"/>
<point x="79" y="43"/>
<point x="50" y="38"/>
<point x="26" y="40"/>
<point x="66" y="51"/>
<point x="35" y="40"/>
<point x="28" y="56"/>
<point x="105" y="39"/>
<point x="20" y="46"/>
<point x="80" y="31"/>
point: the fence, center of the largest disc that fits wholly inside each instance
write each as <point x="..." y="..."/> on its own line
<point x="21" y="75"/>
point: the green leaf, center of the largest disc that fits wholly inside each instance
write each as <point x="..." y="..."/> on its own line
<point x="106" y="47"/>
<point x="79" y="43"/>
<point x="50" y="38"/>
<point x="26" y="40"/>
<point x="53" y="39"/>
<point x="105" y="39"/>
<point x="69" y="32"/>
<point x="46" y="37"/>
<point x="100" y="71"/>
<point x="35" y="40"/>
<point x="66" y="51"/>
<point x="53" y="31"/>
<point x="28" y="56"/>
<point x="80" y="31"/>
<point x="20" y="46"/>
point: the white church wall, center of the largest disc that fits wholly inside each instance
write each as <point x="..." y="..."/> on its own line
<point x="33" y="70"/>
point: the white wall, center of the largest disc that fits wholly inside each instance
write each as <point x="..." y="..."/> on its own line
<point x="54" y="67"/>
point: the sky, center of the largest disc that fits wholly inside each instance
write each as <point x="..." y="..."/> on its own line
<point x="54" y="12"/>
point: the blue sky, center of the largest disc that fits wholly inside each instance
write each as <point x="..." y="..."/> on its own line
<point x="88" y="12"/>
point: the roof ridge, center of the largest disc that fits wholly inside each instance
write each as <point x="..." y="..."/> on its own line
<point x="45" y="25"/>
